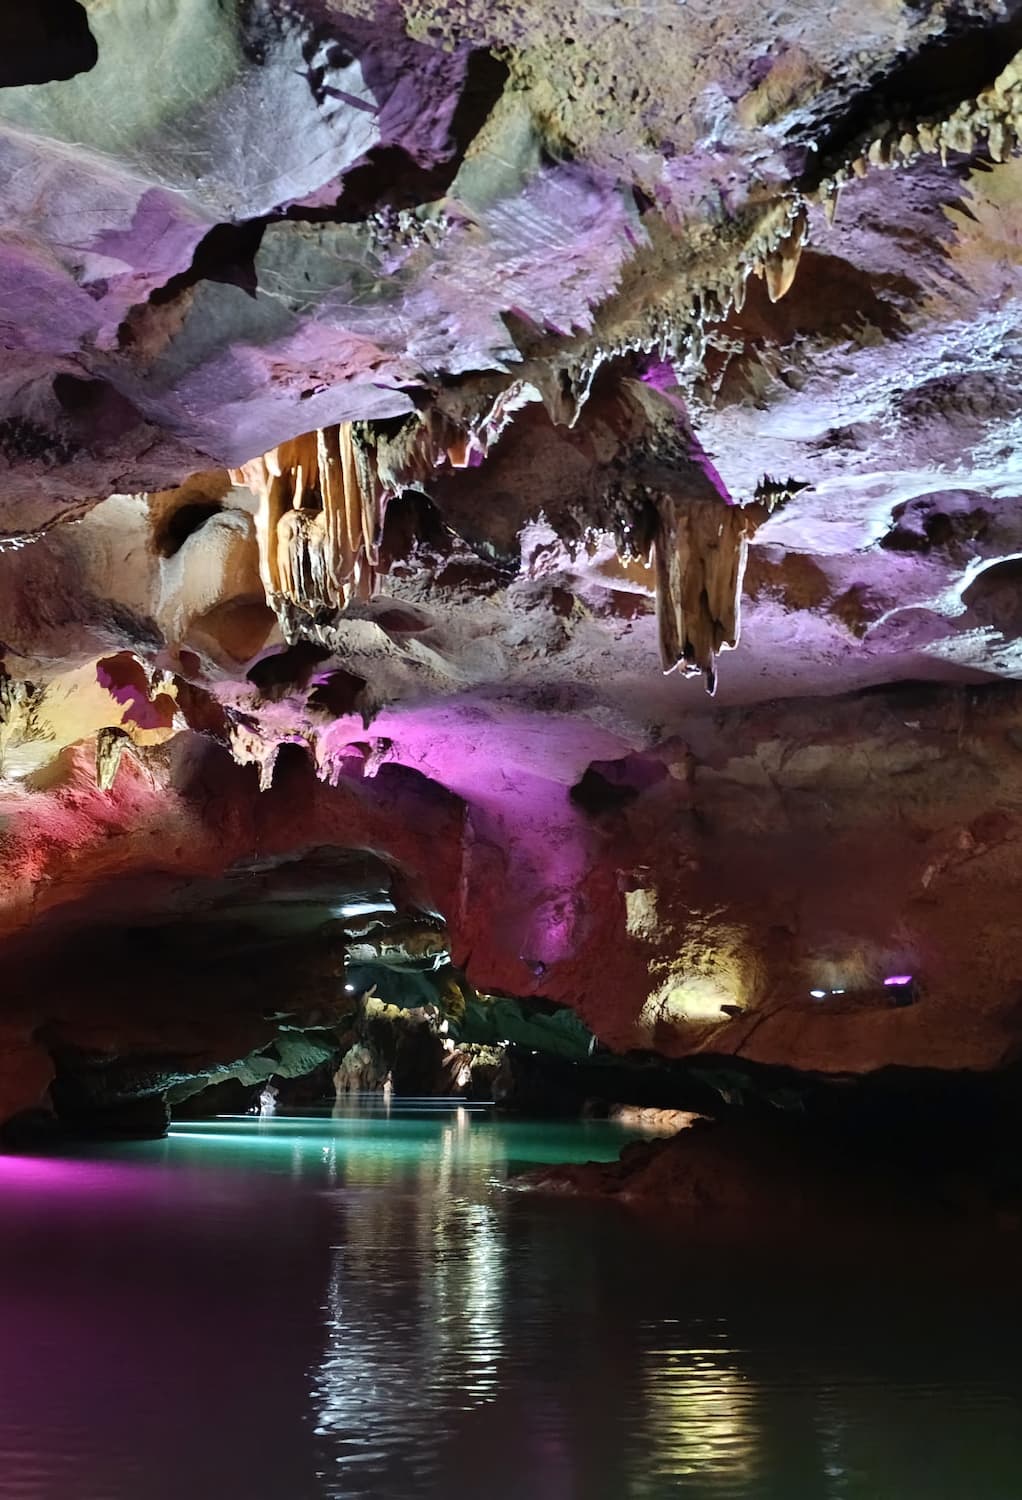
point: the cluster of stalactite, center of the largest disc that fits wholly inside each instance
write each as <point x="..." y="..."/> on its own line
<point x="323" y="497"/>
<point x="319" y="518"/>
<point x="322" y="502"/>
<point x="670" y="510"/>
<point x="696" y="546"/>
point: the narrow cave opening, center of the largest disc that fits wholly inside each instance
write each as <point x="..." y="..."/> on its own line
<point x="280" y="672"/>
<point x="225" y="254"/>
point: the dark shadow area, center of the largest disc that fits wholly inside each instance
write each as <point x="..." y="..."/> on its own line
<point x="389" y="178"/>
<point x="98" y="414"/>
<point x="953" y="67"/>
<point x="607" y="786"/>
<point x="411" y="520"/>
<point x="226" y="254"/>
<point x="285" y="671"/>
<point x="183" y="523"/>
<point x="44" y="42"/>
<point x="995" y="597"/>
<point x="337" y="695"/>
<point x="923" y="1120"/>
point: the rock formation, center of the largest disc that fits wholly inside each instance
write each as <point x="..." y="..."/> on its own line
<point x="399" y="402"/>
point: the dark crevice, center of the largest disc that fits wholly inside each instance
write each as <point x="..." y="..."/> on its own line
<point x="182" y="523"/>
<point x="337" y="695"/>
<point x="607" y="786"/>
<point x="283" y="672"/>
<point x="226" y="254"/>
<point x="595" y="795"/>
<point x="388" y="178"/>
<point x="412" y="519"/>
<point x="945" y="72"/>
<point x="44" y="42"/>
<point x="97" y="414"/>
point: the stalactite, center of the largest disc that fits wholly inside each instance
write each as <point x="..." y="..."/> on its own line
<point x="319" y="517"/>
<point x="322" y="499"/>
<point x="699" y="558"/>
<point x="782" y="262"/>
<point x="669" y="507"/>
<point x="408" y="456"/>
<point x="110" y="746"/>
<point x="699" y="551"/>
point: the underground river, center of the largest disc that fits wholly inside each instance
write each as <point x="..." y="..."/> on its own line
<point x="352" y="1306"/>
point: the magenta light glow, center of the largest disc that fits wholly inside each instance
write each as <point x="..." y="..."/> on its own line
<point x="899" y="979"/>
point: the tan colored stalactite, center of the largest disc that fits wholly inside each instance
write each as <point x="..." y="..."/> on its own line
<point x="322" y="499"/>
<point x="699" y="559"/>
<point x="110" y="746"/>
<point x="318" y="518"/>
<point x="422" y="444"/>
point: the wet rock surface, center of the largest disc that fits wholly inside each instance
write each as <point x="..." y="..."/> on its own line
<point x="778" y="1180"/>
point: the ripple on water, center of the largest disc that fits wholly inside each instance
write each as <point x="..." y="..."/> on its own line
<point x="354" y="1309"/>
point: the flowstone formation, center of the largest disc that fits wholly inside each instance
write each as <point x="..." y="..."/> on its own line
<point x="408" y="411"/>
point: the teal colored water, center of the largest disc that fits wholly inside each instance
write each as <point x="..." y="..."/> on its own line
<point x="317" y="1308"/>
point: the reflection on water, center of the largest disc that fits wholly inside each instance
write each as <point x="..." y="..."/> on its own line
<point x="699" y="1416"/>
<point x="414" y="1307"/>
<point x="338" y="1308"/>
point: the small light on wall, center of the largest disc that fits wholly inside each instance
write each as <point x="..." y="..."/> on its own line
<point x="818" y="994"/>
<point x="350" y="988"/>
<point x="837" y="992"/>
<point x="368" y="908"/>
<point x="898" y="980"/>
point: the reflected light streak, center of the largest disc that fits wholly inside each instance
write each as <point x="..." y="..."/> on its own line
<point x="697" y="1422"/>
<point x="440" y="1303"/>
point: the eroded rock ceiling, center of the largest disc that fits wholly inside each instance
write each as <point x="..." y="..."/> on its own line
<point x="436" y="393"/>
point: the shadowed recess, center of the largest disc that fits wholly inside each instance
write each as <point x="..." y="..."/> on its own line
<point x="44" y="42"/>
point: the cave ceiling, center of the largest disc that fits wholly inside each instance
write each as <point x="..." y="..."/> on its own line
<point x="469" y="231"/>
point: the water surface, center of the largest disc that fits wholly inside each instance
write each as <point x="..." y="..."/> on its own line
<point x="318" y="1308"/>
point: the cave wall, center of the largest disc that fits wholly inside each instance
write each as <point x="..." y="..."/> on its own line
<point x="768" y="855"/>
